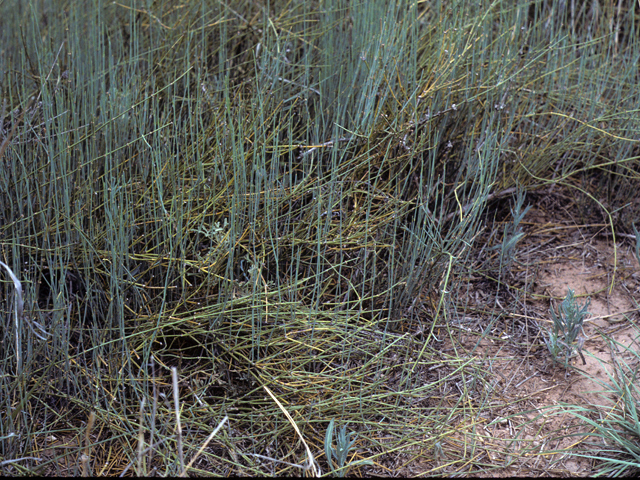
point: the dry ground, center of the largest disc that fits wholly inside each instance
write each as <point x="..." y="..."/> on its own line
<point x="557" y="253"/>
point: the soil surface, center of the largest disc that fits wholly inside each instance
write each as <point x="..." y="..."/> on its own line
<point x="524" y="427"/>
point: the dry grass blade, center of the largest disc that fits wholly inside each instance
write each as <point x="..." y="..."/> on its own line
<point x="310" y="464"/>
<point x="85" y="458"/>
<point x="176" y="404"/>
<point x="18" y="315"/>
<point x="19" y="302"/>
<point x="204" y="445"/>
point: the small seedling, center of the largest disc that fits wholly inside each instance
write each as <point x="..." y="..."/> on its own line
<point x="566" y="326"/>
<point x="343" y="444"/>
<point x="512" y="235"/>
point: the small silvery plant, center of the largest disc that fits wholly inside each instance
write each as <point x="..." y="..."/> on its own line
<point x="566" y="326"/>
<point x="512" y="235"/>
<point x="340" y="453"/>
<point x="217" y="233"/>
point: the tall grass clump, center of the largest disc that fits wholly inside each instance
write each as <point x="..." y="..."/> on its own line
<point x="567" y="323"/>
<point x="268" y="195"/>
